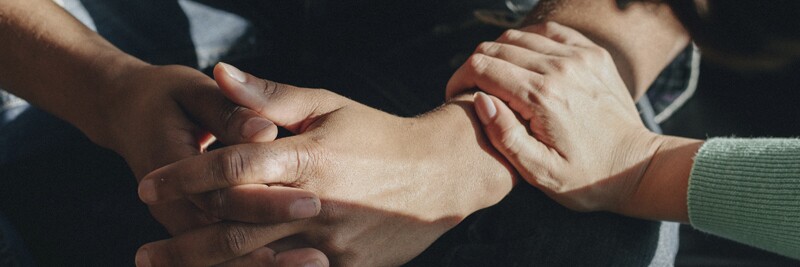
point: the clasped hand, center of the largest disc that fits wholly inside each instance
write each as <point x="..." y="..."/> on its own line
<point x="387" y="186"/>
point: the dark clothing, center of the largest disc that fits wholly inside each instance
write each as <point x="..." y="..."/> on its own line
<point x="75" y="204"/>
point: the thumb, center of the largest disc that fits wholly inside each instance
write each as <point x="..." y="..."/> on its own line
<point x="510" y="137"/>
<point x="291" y="107"/>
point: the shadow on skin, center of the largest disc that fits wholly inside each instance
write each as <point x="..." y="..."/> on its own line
<point x="75" y="204"/>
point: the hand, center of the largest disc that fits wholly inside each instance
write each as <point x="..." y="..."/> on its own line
<point x="587" y="147"/>
<point x="150" y="115"/>
<point x="158" y="115"/>
<point x="389" y="186"/>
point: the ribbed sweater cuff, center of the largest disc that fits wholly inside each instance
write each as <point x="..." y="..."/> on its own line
<point x="748" y="190"/>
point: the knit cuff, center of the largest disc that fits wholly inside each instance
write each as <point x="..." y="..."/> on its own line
<point x="748" y="190"/>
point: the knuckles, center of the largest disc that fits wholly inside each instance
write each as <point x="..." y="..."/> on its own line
<point x="560" y="64"/>
<point x="232" y="240"/>
<point x="213" y="203"/>
<point x="229" y="166"/>
<point x="488" y="48"/>
<point x="270" y="88"/>
<point x="228" y="114"/>
<point x="510" y="36"/>
<point x="553" y="31"/>
<point x="477" y="65"/>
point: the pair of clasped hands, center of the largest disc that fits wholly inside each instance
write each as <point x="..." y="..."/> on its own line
<point x="356" y="186"/>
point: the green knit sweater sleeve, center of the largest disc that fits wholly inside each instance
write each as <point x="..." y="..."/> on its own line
<point x="748" y="190"/>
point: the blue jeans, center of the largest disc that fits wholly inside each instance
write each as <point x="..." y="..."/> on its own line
<point x="75" y="203"/>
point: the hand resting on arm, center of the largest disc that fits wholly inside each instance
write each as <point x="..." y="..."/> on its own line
<point x="578" y="136"/>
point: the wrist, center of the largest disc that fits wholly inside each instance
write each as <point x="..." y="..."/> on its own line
<point x="662" y="189"/>
<point x="458" y="149"/>
<point x="102" y="92"/>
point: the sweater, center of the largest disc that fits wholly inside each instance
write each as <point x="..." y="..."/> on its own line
<point x="748" y="190"/>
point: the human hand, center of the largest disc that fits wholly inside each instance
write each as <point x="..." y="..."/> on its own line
<point x="151" y="115"/>
<point x="156" y="115"/>
<point x="389" y="186"/>
<point x="579" y="137"/>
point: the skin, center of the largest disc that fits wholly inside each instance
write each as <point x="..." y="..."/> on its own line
<point x="578" y="136"/>
<point x="398" y="187"/>
<point x="323" y="151"/>
<point x="642" y="38"/>
<point x="151" y="115"/>
<point x="109" y="96"/>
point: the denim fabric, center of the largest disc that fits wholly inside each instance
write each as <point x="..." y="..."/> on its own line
<point x="76" y="205"/>
<point x="182" y="32"/>
<point x="12" y="253"/>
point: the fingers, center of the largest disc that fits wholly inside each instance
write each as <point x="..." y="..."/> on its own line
<point x="502" y="79"/>
<point x="279" y="162"/>
<point x="260" y="204"/>
<point x="511" y="138"/>
<point x="522" y="57"/>
<point x="260" y="257"/>
<point x="539" y="49"/>
<point x="288" y="106"/>
<point x="230" y="123"/>
<point x="179" y="216"/>
<point x="559" y="33"/>
<point x="211" y="245"/>
<point x="534" y="42"/>
<point x="306" y="257"/>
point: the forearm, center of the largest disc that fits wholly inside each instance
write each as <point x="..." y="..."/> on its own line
<point x="643" y="38"/>
<point x="739" y="189"/>
<point x="55" y="62"/>
<point x="662" y="190"/>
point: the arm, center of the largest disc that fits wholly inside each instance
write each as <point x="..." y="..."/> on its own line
<point x="583" y="144"/>
<point x="462" y="163"/>
<point x="579" y="137"/>
<point x="386" y="183"/>
<point x="642" y="38"/>
<point x="53" y="61"/>
<point x="150" y="115"/>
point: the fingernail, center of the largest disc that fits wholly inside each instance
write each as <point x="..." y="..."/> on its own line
<point x="484" y="107"/>
<point x="304" y="208"/>
<point x="315" y="263"/>
<point x="234" y="73"/>
<point x="147" y="191"/>
<point x="142" y="258"/>
<point x="254" y="125"/>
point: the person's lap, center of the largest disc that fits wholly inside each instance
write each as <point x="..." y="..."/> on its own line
<point x="76" y="204"/>
<point x="12" y="251"/>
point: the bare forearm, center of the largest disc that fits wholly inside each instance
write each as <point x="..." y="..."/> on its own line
<point x="55" y="62"/>
<point x="662" y="191"/>
<point x="643" y="38"/>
